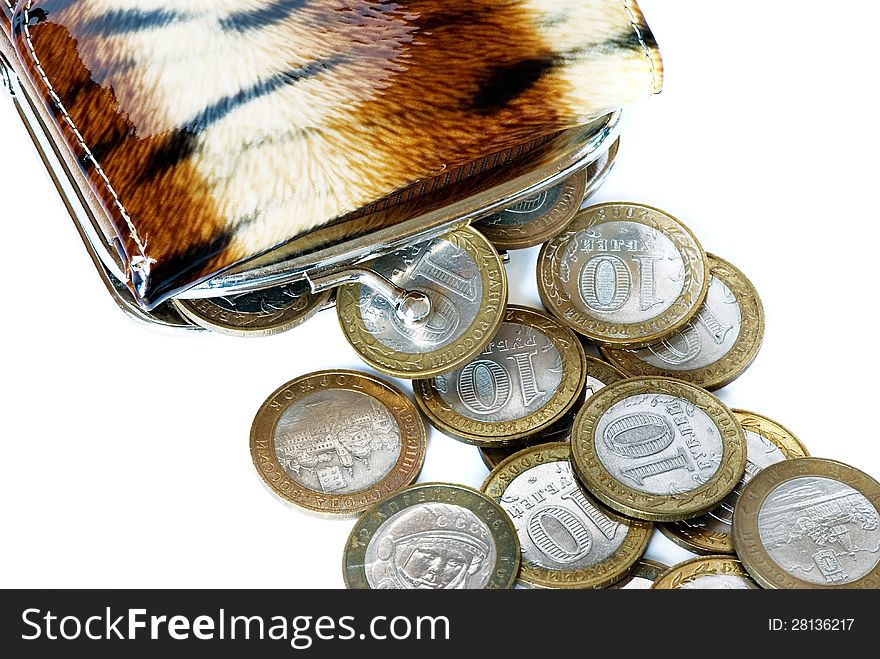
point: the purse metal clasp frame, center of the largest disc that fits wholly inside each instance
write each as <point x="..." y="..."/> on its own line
<point x="334" y="264"/>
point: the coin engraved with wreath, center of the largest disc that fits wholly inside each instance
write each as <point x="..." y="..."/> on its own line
<point x="529" y="376"/>
<point x="623" y="274"/>
<point x="333" y="441"/>
<point x="714" y="348"/>
<point x="658" y="449"/>
<point x="432" y="536"/>
<point x="568" y="539"/>
<point x="465" y="281"/>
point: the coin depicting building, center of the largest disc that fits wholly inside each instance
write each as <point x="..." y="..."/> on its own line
<point x="825" y="517"/>
<point x="327" y="441"/>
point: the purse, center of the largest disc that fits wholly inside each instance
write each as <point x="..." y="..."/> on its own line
<point x="220" y="147"/>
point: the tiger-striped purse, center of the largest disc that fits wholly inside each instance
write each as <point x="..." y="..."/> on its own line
<point x="214" y="147"/>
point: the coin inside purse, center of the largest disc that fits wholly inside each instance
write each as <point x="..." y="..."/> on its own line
<point x="54" y="57"/>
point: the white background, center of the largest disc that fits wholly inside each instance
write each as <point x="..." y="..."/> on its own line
<point x="124" y="459"/>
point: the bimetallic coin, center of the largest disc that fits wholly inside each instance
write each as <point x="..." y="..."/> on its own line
<point x="545" y="215"/>
<point x="717" y="346"/>
<point x="465" y="280"/>
<point x="568" y="539"/>
<point x="335" y="442"/>
<point x="261" y="313"/>
<point x="538" y="218"/>
<point x="599" y="374"/>
<point x="432" y="536"/>
<point x="658" y="449"/>
<point x="810" y="523"/>
<point x="526" y="379"/>
<point x="767" y="443"/>
<point x="642" y="577"/>
<point x="706" y="573"/>
<point x="492" y="457"/>
<point x="623" y="275"/>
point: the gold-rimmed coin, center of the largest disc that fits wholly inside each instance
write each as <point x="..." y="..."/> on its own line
<point x="546" y="214"/>
<point x="568" y="539"/>
<point x="810" y="523"/>
<point x="713" y="349"/>
<point x="767" y="443"/>
<point x="642" y="576"/>
<point x="528" y="377"/>
<point x="599" y="375"/>
<point x="706" y="573"/>
<point x="658" y="449"/>
<point x="492" y="457"/>
<point x="433" y="536"/>
<point x="335" y="442"/>
<point x="623" y="274"/>
<point x="260" y="313"/>
<point x="538" y="218"/>
<point x="464" y="278"/>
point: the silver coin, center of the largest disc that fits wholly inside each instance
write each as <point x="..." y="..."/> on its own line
<point x="761" y="453"/>
<point x="337" y="441"/>
<point x="599" y="374"/>
<point x="260" y="313"/>
<point x="266" y="301"/>
<point x="526" y="380"/>
<point x="704" y="340"/>
<point x="821" y="531"/>
<point x="720" y="582"/>
<point x="514" y="376"/>
<point x="447" y="274"/>
<point x="658" y="444"/>
<point x="716" y="346"/>
<point x="528" y="210"/>
<point x="623" y="275"/>
<point x="431" y="546"/>
<point x="567" y="538"/>
<point x="601" y="259"/>
<point x="569" y="531"/>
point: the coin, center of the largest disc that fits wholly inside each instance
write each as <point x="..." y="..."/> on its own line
<point x="432" y="536"/>
<point x="538" y="218"/>
<point x="658" y="449"/>
<point x="810" y="523"/>
<point x="464" y="278"/>
<point x="568" y="539"/>
<point x="492" y="457"/>
<point x="767" y="443"/>
<point x="713" y="349"/>
<point x="623" y="274"/>
<point x="335" y="442"/>
<point x="642" y="577"/>
<point x="706" y="573"/>
<point x="261" y="313"/>
<point x="528" y="377"/>
<point x="546" y="214"/>
<point x="599" y="374"/>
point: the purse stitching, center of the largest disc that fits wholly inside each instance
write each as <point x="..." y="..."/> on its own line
<point x="8" y="4"/>
<point x="143" y="261"/>
<point x="635" y="26"/>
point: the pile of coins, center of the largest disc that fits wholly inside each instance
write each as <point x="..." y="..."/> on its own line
<point x="587" y="453"/>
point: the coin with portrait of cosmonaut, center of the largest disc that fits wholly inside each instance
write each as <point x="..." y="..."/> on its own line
<point x="433" y="536"/>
